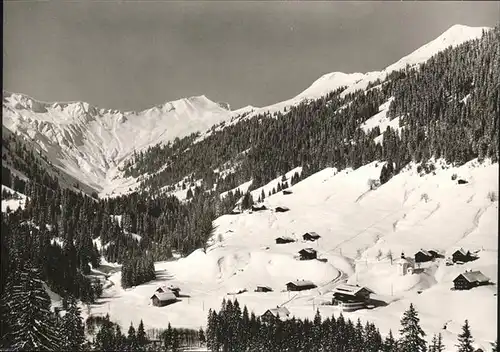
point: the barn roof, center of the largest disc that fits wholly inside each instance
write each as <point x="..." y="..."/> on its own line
<point x="285" y="238"/>
<point x="164" y="296"/>
<point x="169" y="288"/>
<point x="348" y="289"/>
<point x="474" y="276"/>
<point x="301" y="283"/>
<point x="424" y="252"/>
<point x="282" y="311"/>
<point x="312" y="234"/>
<point x="461" y="251"/>
<point x="307" y="250"/>
<point x="267" y="287"/>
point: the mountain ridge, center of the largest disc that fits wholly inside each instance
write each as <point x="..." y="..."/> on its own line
<point x="90" y="143"/>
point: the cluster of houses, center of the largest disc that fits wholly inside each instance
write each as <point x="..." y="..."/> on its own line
<point x="165" y="295"/>
<point x="465" y="281"/>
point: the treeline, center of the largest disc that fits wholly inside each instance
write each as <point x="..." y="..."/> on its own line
<point x="447" y="107"/>
<point x="234" y="329"/>
<point x="136" y="271"/>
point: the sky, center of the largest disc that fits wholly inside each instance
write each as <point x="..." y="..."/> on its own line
<point x="131" y="55"/>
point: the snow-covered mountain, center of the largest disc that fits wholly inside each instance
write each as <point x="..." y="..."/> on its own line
<point x="89" y="143"/>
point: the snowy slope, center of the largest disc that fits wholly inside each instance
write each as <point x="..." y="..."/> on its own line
<point x="354" y="223"/>
<point x="89" y="143"/>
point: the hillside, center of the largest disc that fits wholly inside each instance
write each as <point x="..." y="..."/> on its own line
<point x="354" y="223"/>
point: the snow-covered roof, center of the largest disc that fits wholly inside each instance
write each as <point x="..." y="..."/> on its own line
<point x="424" y="252"/>
<point x="285" y="238"/>
<point x="312" y="234"/>
<point x="301" y="283"/>
<point x="266" y="287"/>
<point x="460" y="251"/>
<point x="349" y="289"/>
<point x="283" y="312"/>
<point x="165" y="296"/>
<point x="474" y="276"/>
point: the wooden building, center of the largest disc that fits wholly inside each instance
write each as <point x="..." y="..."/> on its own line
<point x="263" y="289"/>
<point x="351" y="297"/>
<point x="311" y="236"/>
<point x="163" y="299"/>
<point x="281" y="209"/>
<point x="460" y="255"/>
<point x="423" y="256"/>
<point x="275" y="313"/>
<point x="308" y="254"/>
<point x="299" y="285"/>
<point x="283" y="240"/>
<point x="470" y="279"/>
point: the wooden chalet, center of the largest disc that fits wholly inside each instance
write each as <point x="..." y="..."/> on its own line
<point x="275" y="313"/>
<point x="163" y="299"/>
<point x="470" y="279"/>
<point x="351" y="297"/>
<point x="311" y="236"/>
<point x="281" y="209"/>
<point x="258" y="207"/>
<point x="460" y="255"/>
<point x="308" y="254"/>
<point x="299" y="285"/>
<point x="287" y="191"/>
<point x="423" y="256"/>
<point x="263" y="289"/>
<point x="283" y="240"/>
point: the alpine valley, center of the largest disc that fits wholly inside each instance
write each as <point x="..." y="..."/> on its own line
<point x="381" y="183"/>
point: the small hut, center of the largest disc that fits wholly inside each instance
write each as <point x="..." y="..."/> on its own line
<point x="281" y="209"/>
<point x="299" y="285"/>
<point x="163" y="299"/>
<point x="283" y="240"/>
<point x="308" y="254"/>
<point x="311" y="236"/>
<point x="460" y="255"/>
<point x="263" y="289"/>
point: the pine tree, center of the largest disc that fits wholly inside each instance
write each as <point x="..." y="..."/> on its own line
<point x="201" y="336"/>
<point x="141" y="336"/>
<point x="73" y="332"/>
<point x="32" y="324"/>
<point x="390" y="344"/>
<point x="411" y="332"/>
<point x="131" y="338"/>
<point x="465" y="339"/>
